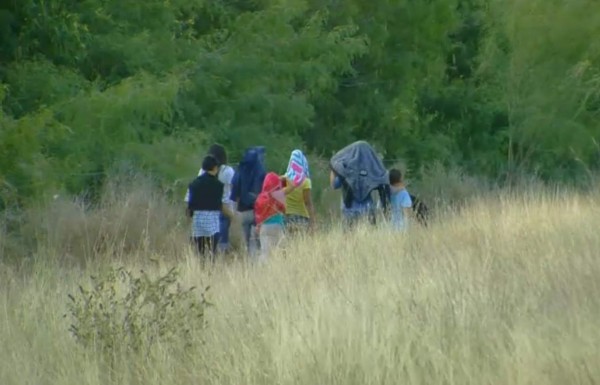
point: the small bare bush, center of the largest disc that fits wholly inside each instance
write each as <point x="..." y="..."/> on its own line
<point x="132" y="312"/>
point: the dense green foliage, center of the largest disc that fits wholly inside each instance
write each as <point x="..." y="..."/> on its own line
<point x="496" y="87"/>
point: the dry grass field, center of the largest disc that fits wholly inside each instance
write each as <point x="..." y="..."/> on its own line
<point x="506" y="291"/>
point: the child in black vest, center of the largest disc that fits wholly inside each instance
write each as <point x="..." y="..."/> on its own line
<point x="205" y="205"/>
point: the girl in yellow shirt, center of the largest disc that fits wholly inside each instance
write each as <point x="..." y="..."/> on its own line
<point x="299" y="209"/>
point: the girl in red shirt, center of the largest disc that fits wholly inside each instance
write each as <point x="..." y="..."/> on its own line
<point x="269" y="212"/>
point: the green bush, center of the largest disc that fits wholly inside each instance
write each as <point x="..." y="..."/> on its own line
<point x="494" y="88"/>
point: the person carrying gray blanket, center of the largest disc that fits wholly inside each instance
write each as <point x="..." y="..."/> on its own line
<point x="357" y="170"/>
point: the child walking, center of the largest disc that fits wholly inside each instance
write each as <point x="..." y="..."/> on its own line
<point x="205" y="205"/>
<point x="299" y="209"/>
<point x="269" y="211"/>
<point x="225" y="175"/>
<point x="400" y="201"/>
<point x="247" y="184"/>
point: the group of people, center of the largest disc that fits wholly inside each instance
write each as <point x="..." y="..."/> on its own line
<point x="272" y="206"/>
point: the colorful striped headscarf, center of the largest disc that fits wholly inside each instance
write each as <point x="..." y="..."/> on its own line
<point x="297" y="170"/>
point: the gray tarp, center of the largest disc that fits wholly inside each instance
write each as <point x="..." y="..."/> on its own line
<point x="361" y="168"/>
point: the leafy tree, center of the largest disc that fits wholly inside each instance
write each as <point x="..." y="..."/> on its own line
<point x="495" y="88"/>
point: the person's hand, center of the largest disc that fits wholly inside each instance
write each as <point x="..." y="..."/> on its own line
<point x="289" y="188"/>
<point x="332" y="179"/>
<point x="226" y="210"/>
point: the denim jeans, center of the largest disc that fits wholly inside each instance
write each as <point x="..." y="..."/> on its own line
<point x="249" y="230"/>
<point x="353" y="217"/>
<point x="223" y="236"/>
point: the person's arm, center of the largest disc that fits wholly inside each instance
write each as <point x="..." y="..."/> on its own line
<point x="235" y="188"/>
<point x="288" y="186"/>
<point x="228" y="177"/>
<point x="223" y="206"/>
<point x="277" y="199"/>
<point x="280" y="207"/>
<point x="334" y="180"/>
<point x="226" y="210"/>
<point x="406" y="204"/>
<point x="307" y="195"/>
<point x="188" y="200"/>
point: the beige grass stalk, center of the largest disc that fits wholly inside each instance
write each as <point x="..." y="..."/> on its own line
<point x="507" y="292"/>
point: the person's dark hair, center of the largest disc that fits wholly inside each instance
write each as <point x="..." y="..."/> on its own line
<point x="219" y="153"/>
<point x="395" y="176"/>
<point x="209" y="163"/>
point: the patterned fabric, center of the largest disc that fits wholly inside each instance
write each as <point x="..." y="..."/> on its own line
<point x="205" y="223"/>
<point x="296" y="220"/>
<point x="296" y="223"/>
<point x="297" y="170"/>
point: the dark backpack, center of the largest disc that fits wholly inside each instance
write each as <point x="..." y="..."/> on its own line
<point x="420" y="209"/>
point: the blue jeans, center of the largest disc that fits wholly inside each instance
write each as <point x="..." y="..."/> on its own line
<point x="354" y="216"/>
<point x="249" y="230"/>
<point x="223" y="236"/>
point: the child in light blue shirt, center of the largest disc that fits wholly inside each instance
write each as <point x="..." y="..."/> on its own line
<point x="400" y="201"/>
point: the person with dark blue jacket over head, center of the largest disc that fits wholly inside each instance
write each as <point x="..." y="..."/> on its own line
<point x="247" y="184"/>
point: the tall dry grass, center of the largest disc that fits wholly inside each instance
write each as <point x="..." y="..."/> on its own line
<point x="505" y="292"/>
<point x="132" y="217"/>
